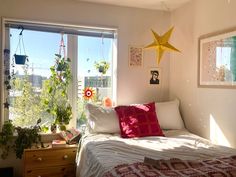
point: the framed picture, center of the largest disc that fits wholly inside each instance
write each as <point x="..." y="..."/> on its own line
<point x="135" y="56"/>
<point x="217" y="60"/>
<point x="155" y="76"/>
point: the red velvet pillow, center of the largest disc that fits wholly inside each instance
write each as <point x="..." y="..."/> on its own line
<point x="138" y="120"/>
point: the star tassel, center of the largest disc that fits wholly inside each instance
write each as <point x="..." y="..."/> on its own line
<point x="161" y="44"/>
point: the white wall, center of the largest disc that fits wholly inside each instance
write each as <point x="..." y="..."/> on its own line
<point x="208" y="112"/>
<point x="133" y="28"/>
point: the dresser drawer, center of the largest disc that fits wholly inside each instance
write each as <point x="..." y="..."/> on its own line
<point x="49" y="157"/>
<point x="59" y="171"/>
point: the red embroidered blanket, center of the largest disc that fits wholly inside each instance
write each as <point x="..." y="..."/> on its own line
<point x="217" y="167"/>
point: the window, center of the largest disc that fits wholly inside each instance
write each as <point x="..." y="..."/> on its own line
<point x="92" y="53"/>
<point x="87" y="47"/>
<point x="27" y="91"/>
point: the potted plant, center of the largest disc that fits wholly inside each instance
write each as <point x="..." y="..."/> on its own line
<point x="6" y="137"/>
<point x="61" y="64"/>
<point x="26" y="138"/>
<point x="63" y="116"/>
<point x="102" y="66"/>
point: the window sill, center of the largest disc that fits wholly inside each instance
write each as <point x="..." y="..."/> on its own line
<point x="47" y="137"/>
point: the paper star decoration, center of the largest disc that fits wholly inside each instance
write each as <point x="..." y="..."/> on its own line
<point x="161" y="44"/>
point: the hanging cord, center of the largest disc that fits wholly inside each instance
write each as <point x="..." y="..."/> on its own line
<point x="62" y="46"/>
<point x="102" y="47"/>
<point x="165" y="7"/>
<point x="21" y="41"/>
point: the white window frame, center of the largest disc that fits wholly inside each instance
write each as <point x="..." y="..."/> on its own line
<point x="72" y="47"/>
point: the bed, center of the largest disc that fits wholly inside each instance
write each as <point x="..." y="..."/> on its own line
<point x="104" y="153"/>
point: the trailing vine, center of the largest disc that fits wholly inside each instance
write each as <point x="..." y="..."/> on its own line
<point x="26" y="138"/>
<point x="57" y="98"/>
<point x="6" y="137"/>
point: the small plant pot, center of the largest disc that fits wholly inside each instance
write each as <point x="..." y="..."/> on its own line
<point x="20" y="59"/>
<point x="53" y="128"/>
<point x="60" y="67"/>
<point x="101" y="69"/>
<point x="62" y="127"/>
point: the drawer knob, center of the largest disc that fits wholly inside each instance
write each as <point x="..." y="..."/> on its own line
<point x="65" y="156"/>
<point x="39" y="159"/>
<point x="39" y="176"/>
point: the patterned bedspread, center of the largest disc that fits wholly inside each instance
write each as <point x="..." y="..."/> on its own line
<point x="217" y="167"/>
<point x="100" y="153"/>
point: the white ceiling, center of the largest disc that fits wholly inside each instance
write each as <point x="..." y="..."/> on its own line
<point x="166" y="5"/>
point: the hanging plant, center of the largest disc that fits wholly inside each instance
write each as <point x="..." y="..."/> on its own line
<point x="57" y="102"/>
<point x="57" y="91"/>
<point x="61" y="65"/>
<point x="20" y="59"/>
<point x="102" y="66"/>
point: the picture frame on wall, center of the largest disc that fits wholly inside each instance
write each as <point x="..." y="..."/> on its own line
<point x="155" y="76"/>
<point x="217" y="60"/>
<point x="135" y="56"/>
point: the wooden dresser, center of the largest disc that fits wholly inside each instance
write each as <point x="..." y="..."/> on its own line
<point x="50" y="162"/>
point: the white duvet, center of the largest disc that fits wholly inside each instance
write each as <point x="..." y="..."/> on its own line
<point x="99" y="153"/>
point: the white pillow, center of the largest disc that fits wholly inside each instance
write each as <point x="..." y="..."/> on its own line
<point x="168" y="115"/>
<point x="101" y="120"/>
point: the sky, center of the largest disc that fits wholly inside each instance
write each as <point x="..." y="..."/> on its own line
<point x="41" y="48"/>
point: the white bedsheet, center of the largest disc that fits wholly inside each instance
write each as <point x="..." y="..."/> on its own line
<point x="101" y="152"/>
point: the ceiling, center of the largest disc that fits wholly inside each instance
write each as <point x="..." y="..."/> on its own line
<point x="166" y="5"/>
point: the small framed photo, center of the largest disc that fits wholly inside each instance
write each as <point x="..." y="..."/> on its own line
<point x="155" y="76"/>
<point x="135" y="56"/>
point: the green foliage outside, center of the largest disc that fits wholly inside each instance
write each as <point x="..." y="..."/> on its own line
<point x="26" y="107"/>
<point x="51" y="104"/>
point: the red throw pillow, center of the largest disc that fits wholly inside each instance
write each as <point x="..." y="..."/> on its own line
<point x="138" y="120"/>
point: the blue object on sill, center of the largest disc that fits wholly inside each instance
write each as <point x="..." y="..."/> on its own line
<point x="20" y="59"/>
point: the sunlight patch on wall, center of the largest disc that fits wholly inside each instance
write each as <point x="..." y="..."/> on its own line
<point x="216" y="134"/>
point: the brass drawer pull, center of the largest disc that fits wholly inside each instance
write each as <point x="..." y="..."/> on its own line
<point x="65" y="157"/>
<point x="39" y="159"/>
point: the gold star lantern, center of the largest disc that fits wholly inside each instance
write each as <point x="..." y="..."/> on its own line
<point x="161" y="44"/>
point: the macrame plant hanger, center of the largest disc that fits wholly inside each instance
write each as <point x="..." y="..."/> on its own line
<point x="62" y="56"/>
<point x="102" y="47"/>
<point x="62" y="47"/>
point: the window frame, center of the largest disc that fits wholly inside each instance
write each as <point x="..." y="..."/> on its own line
<point x="72" y="52"/>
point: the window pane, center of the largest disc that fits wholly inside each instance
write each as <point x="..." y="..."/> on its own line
<point x="29" y="82"/>
<point x="94" y="72"/>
